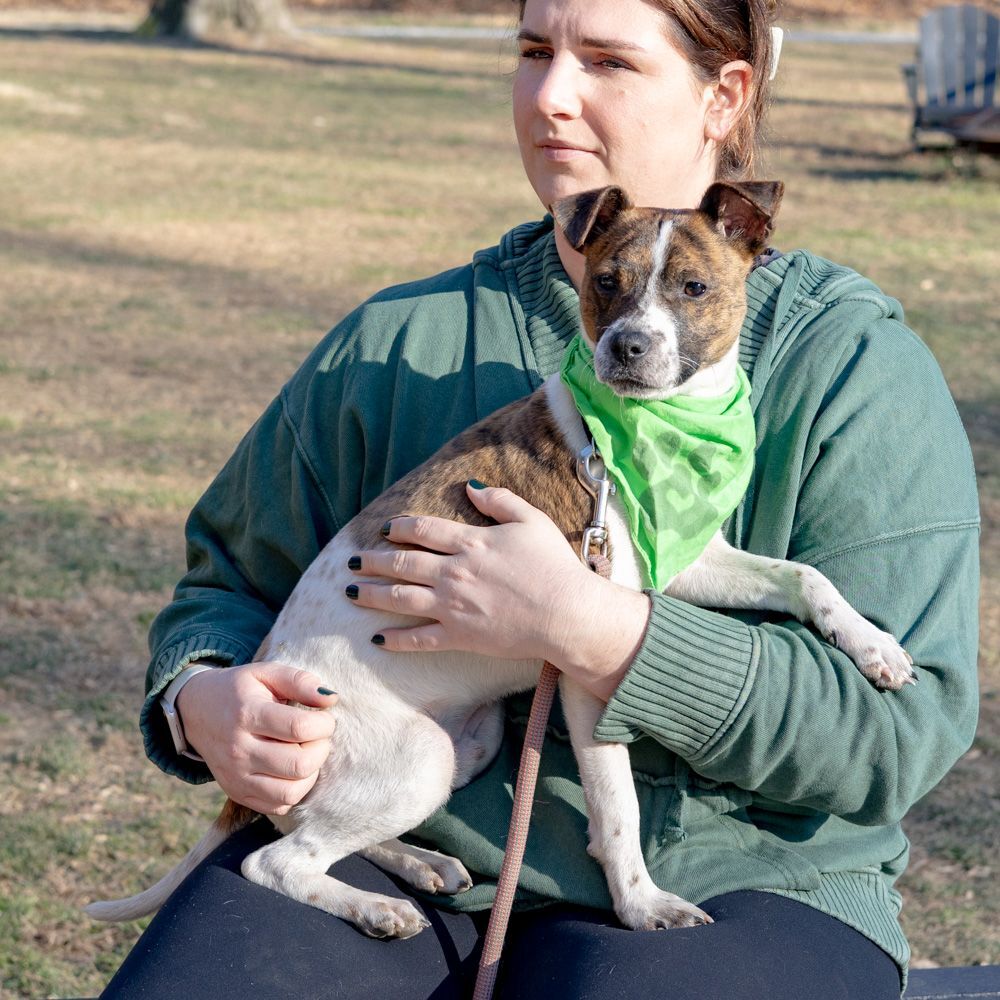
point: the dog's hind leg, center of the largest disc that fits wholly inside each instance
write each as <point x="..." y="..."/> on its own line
<point x="426" y="870"/>
<point x="371" y="793"/>
<point x="476" y="738"/>
<point x="613" y="811"/>
<point x="477" y="741"/>
<point x="296" y="867"/>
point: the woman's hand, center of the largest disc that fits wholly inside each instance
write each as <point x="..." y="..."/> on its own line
<point x="514" y="590"/>
<point x="264" y="753"/>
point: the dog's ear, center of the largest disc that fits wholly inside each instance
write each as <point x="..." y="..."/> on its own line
<point x="583" y="217"/>
<point x="744" y="210"/>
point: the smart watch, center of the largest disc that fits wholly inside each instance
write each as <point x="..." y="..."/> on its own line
<point x="167" y="700"/>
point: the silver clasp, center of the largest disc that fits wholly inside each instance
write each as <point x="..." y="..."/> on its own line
<point x="591" y="472"/>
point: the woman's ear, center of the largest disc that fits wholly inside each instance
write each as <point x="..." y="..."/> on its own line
<point x="728" y="99"/>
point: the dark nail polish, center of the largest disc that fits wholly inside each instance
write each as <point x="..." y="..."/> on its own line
<point x="326" y="692"/>
<point x="354" y="562"/>
<point x="386" y="528"/>
<point x="477" y="485"/>
<point x="378" y="639"/>
<point x="352" y="591"/>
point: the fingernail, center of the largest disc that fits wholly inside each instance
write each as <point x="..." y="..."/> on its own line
<point x="352" y="591"/>
<point x="325" y="692"/>
<point x="477" y="485"/>
<point x="378" y="639"/>
<point x="386" y="528"/>
<point x="354" y="562"/>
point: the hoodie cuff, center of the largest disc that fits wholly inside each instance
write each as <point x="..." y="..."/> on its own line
<point x="690" y="677"/>
<point x="159" y="747"/>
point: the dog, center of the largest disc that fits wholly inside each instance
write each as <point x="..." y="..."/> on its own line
<point x="411" y="728"/>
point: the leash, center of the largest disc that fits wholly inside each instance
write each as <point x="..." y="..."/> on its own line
<point x="594" y="553"/>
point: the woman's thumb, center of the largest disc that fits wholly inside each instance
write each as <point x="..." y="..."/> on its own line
<point x="498" y="503"/>
<point x="294" y="684"/>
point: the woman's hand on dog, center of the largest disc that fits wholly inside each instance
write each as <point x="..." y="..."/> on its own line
<point x="514" y="590"/>
<point x="264" y="753"/>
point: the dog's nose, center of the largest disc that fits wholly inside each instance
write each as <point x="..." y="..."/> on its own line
<point x="629" y="345"/>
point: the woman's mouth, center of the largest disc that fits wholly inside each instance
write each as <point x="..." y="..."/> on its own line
<point x="561" y="152"/>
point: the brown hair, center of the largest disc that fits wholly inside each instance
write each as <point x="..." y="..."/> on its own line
<point x="710" y="33"/>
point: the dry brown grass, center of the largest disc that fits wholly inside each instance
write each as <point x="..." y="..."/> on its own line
<point x="178" y="227"/>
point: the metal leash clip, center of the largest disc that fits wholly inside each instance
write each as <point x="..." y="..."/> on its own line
<point x="591" y="472"/>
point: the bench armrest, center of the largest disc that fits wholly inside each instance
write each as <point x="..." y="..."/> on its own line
<point x="910" y="78"/>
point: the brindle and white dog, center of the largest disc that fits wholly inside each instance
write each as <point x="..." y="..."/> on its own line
<point x="413" y="727"/>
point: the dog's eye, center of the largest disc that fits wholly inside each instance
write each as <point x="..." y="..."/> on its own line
<point x="606" y="283"/>
<point x="695" y="289"/>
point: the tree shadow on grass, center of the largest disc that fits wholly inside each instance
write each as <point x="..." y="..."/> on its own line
<point x="942" y="171"/>
<point x="859" y="163"/>
<point x="117" y="36"/>
<point x="232" y="285"/>
<point x="981" y="419"/>
<point x="825" y="102"/>
<point x="870" y="174"/>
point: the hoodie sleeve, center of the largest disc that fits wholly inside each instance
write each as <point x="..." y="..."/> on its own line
<point x="379" y="394"/>
<point x="249" y="538"/>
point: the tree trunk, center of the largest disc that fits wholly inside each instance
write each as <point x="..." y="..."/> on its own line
<point x="204" y="18"/>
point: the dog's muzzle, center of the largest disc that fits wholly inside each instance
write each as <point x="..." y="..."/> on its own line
<point x="629" y="346"/>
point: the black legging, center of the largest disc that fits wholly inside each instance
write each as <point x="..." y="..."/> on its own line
<point x="220" y="936"/>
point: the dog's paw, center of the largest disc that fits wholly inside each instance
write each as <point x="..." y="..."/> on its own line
<point x="441" y="874"/>
<point x="657" y="910"/>
<point x="388" y="918"/>
<point x="887" y="665"/>
<point x="876" y="654"/>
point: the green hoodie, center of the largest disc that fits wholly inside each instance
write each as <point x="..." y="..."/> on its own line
<point x="762" y="758"/>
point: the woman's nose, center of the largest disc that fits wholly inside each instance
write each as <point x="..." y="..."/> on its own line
<point x="558" y="94"/>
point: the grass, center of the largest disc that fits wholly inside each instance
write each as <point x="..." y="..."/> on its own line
<point x="179" y="226"/>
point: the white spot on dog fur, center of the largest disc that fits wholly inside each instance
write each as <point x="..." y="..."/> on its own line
<point x="650" y="315"/>
<point x="659" y="261"/>
<point x="661" y="365"/>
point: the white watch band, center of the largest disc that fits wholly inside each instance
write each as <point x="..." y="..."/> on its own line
<point x="167" y="700"/>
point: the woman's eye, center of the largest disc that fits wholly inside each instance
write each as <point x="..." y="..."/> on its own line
<point x="606" y="283"/>
<point x="611" y="63"/>
<point x="695" y="289"/>
<point x="535" y="54"/>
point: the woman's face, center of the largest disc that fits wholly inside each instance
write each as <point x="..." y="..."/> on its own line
<point x="601" y="96"/>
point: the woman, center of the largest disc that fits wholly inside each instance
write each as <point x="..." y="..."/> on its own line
<point x="771" y="775"/>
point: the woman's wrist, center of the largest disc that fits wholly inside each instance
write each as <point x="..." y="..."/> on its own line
<point x="187" y="696"/>
<point x="604" y="636"/>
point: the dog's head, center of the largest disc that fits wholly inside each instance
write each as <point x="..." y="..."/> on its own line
<point x="663" y="294"/>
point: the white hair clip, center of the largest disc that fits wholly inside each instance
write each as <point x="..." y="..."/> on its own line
<point x="777" y="36"/>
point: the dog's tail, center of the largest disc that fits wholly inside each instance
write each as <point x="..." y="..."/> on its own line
<point x="232" y="818"/>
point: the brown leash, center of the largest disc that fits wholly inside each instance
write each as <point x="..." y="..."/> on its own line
<point x="594" y="553"/>
<point x="517" y="835"/>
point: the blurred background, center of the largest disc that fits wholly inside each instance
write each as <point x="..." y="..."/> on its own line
<point x="189" y="198"/>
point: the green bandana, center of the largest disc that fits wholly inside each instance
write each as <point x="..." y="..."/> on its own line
<point x="681" y="465"/>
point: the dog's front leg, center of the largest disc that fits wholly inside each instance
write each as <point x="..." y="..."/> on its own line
<point x="613" y="811"/>
<point x="724" y="577"/>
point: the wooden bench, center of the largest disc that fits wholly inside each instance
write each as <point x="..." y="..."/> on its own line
<point x="953" y="84"/>
<point x="979" y="981"/>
